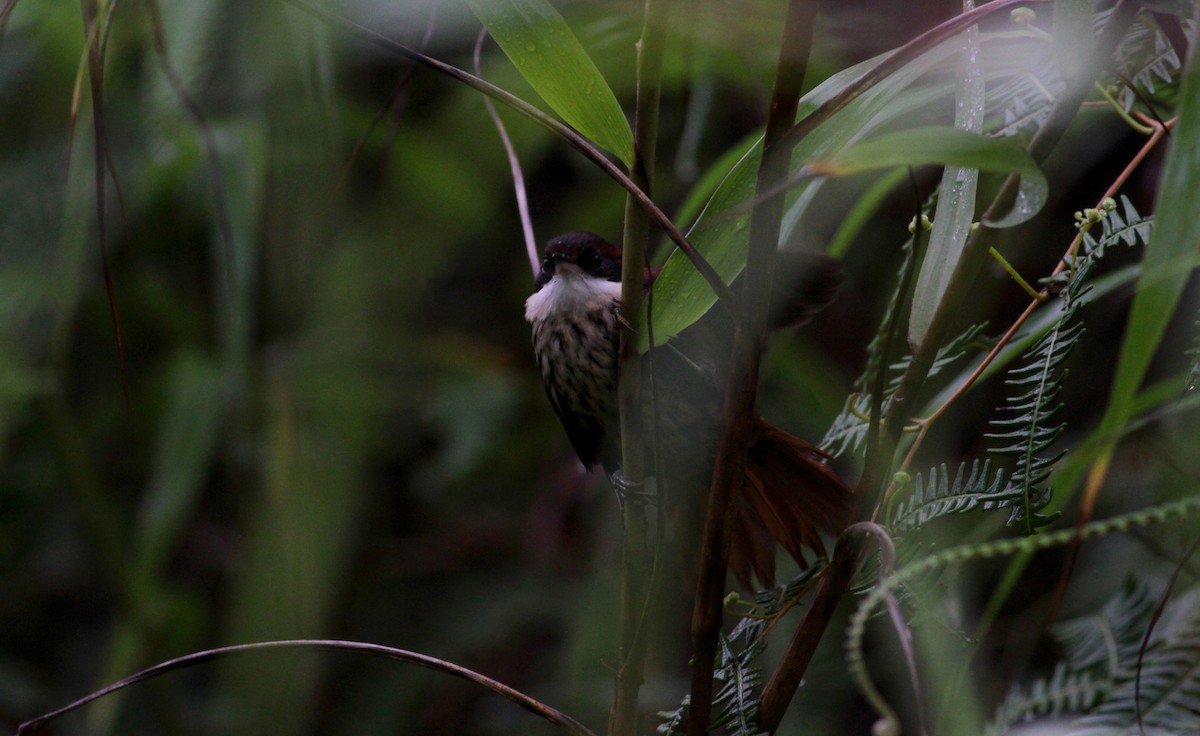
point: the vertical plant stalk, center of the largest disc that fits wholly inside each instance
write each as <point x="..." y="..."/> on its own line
<point x="636" y="558"/>
<point x="748" y="341"/>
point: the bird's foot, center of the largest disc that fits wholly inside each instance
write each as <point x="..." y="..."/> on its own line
<point x="638" y="494"/>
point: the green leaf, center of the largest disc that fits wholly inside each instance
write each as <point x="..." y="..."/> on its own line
<point x="956" y="198"/>
<point x="951" y="147"/>
<point x="681" y="295"/>
<point x="540" y="44"/>
<point x="936" y="144"/>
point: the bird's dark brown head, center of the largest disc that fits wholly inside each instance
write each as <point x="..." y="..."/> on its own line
<point x="590" y="253"/>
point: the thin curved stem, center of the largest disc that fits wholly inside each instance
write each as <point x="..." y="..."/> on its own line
<point x="514" y="165"/>
<point x="536" y="707"/>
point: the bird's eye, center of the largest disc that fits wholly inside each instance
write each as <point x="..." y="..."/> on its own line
<point x="589" y="260"/>
<point x="547" y="264"/>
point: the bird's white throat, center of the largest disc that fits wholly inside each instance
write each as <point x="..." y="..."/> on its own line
<point x="571" y="291"/>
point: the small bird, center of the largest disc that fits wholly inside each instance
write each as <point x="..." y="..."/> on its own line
<point x="790" y="492"/>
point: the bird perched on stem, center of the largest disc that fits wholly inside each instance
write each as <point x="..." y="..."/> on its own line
<point x="789" y="493"/>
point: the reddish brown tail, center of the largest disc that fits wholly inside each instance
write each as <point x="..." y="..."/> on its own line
<point x="790" y="496"/>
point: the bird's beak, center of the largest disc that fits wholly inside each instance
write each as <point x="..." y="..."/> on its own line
<point x="565" y="265"/>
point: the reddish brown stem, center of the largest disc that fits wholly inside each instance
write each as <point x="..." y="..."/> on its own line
<point x="777" y="695"/>
<point x="749" y="336"/>
<point x="1160" y="131"/>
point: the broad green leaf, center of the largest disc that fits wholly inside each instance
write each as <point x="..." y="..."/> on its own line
<point x="956" y="197"/>
<point x="935" y="144"/>
<point x="681" y="295"/>
<point x="540" y="44"/>
<point x="950" y="147"/>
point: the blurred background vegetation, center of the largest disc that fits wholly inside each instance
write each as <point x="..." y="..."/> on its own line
<point x="322" y="418"/>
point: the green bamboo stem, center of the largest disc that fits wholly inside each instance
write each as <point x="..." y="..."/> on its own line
<point x="636" y="561"/>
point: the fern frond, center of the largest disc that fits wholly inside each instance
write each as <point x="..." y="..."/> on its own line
<point x="848" y="431"/>
<point x="736" y="700"/>
<point x="1033" y="430"/>
<point x="1168" y="691"/>
<point x="1129" y="229"/>
<point x="939" y="495"/>
<point x="675" y="720"/>
<point x="1020" y="103"/>
<point x="1064" y="692"/>
<point x="1109" y="639"/>
<point x="1146" y="58"/>
<point x="855" y="660"/>
<point x="946" y="355"/>
<point x="1099" y="678"/>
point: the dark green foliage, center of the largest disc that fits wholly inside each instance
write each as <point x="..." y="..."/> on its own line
<point x="335" y="427"/>
<point x="938" y="495"/>
<point x="737" y="673"/>
<point x="739" y="679"/>
<point x="1105" y="677"/>
<point x="1032" y="431"/>
<point x="1110" y="635"/>
<point x="1029" y="435"/>
<point x="848" y="431"/>
<point x="1147" y="60"/>
<point x="1128" y="229"/>
<point x="1063" y="692"/>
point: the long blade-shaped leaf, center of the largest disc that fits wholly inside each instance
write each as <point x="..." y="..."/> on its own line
<point x="541" y="45"/>
<point x="681" y="295"/>
<point x="956" y="202"/>
<point x="932" y="145"/>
